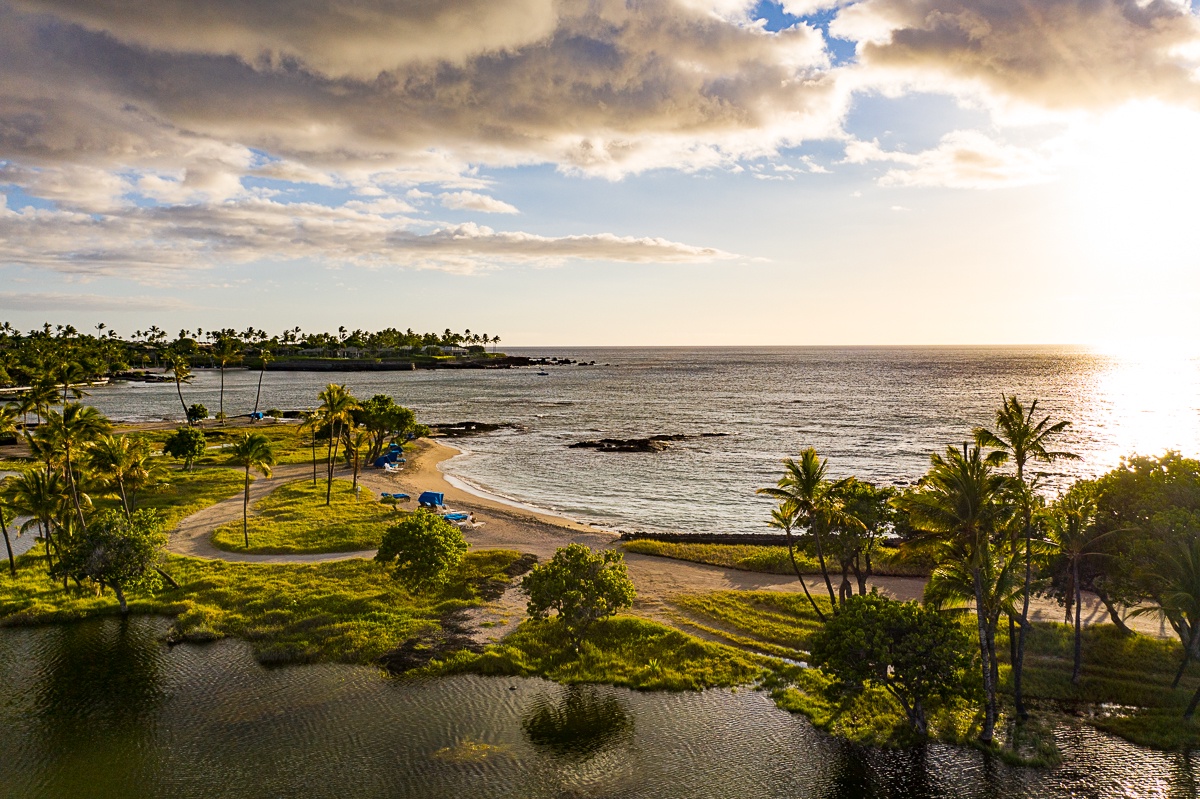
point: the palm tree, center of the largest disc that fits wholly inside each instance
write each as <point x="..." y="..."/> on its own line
<point x="126" y="462"/>
<point x="43" y="497"/>
<point x="1177" y="598"/>
<point x="812" y="501"/>
<point x="72" y="432"/>
<point x="225" y="350"/>
<point x="356" y="441"/>
<point x="784" y="518"/>
<point x="335" y="411"/>
<point x="252" y="451"/>
<point x="264" y="356"/>
<point x="1020" y="438"/>
<point x="1073" y="535"/>
<point x="12" y="561"/>
<point x="181" y="372"/>
<point x="961" y="505"/>
<point x="311" y="421"/>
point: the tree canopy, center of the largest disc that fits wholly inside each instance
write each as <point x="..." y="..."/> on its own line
<point x="580" y="586"/>
<point x="422" y="550"/>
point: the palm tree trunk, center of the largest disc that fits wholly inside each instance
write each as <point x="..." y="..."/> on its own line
<point x="989" y="688"/>
<point x="246" y="510"/>
<point x="1191" y="708"/>
<point x="314" y="456"/>
<point x="74" y="490"/>
<point x="12" y="561"/>
<point x="329" y="464"/>
<point x="124" y="499"/>
<point x="332" y="463"/>
<point x="1112" y="612"/>
<point x="182" y="404"/>
<point x="824" y="571"/>
<point x="221" y="402"/>
<point x="258" y="394"/>
<point x="1187" y="657"/>
<point x="795" y="568"/>
<point x="1019" y="663"/>
<point x="1078" y="671"/>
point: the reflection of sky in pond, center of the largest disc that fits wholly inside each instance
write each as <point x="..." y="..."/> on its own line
<point x="105" y="709"/>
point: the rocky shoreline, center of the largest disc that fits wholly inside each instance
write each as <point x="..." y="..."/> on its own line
<point x="650" y="444"/>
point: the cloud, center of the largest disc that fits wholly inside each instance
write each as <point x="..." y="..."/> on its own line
<point x="51" y="301"/>
<point x="1050" y="54"/>
<point x="472" y="201"/>
<point x="963" y="159"/>
<point x="152" y="243"/>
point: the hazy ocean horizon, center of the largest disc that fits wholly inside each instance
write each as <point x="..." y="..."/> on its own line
<point x="875" y="412"/>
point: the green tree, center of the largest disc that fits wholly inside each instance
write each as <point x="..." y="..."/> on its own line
<point x="336" y="409"/>
<point x="42" y="496"/>
<point x="914" y="653"/>
<point x="251" y="451"/>
<point x="225" y="350"/>
<point x="580" y="586"/>
<point x="196" y="413"/>
<point x="4" y="519"/>
<point x="1020" y="437"/>
<point x="384" y="420"/>
<point x="187" y="444"/>
<point x="961" y="505"/>
<point x="118" y="552"/>
<point x="422" y="550"/>
<point x="71" y="433"/>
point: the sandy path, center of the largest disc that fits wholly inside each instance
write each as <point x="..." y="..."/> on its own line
<point x="503" y="526"/>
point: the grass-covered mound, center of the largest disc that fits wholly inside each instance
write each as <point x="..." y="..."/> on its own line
<point x="767" y="559"/>
<point x="350" y="611"/>
<point x="289" y="443"/>
<point x="293" y="519"/>
<point x="622" y="650"/>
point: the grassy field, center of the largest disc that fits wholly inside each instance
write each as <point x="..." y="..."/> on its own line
<point x="184" y="493"/>
<point x="349" y="611"/>
<point x="290" y="444"/>
<point x="294" y="519"/>
<point x="771" y="560"/>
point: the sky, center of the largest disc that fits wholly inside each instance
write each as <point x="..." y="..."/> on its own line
<point x="607" y="172"/>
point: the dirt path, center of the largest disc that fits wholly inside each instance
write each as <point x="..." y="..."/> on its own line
<point x="499" y="525"/>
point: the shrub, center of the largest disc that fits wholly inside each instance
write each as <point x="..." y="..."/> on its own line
<point x="423" y="550"/>
<point x="581" y="586"/>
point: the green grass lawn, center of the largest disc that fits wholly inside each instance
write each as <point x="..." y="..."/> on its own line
<point x="290" y="444"/>
<point x="350" y="611"/>
<point x="293" y="519"/>
<point x="768" y="559"/>
<point x="184" y="493"/>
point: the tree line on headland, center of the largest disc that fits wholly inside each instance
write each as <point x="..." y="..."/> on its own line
<point x="993" y="539"/>
<point x="62" y="355"/>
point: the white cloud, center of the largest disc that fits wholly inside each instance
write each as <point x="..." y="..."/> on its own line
<point x="473" y="201"/>
<point x="58" y="301"/>
<point x="963" y="159"/>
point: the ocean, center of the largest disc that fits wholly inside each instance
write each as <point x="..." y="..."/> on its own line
<point x="874" y="412"/>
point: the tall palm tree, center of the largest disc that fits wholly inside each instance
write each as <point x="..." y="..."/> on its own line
<point x="225" y="350"/>
<point x="1020" y="438"/>
<point x="181" y="372"/>
<point x="812" y="500"/>
<point x="357" y="440"/>
<point x="312" y="420"/>
<point x="1072" y="534"/>
<point x="961" y="505"/>
<point x="12" y="561"/>
<point x="252" y="451"/>
<point x="72" y="432"/>
<point x="264" y="356"/>
<point x="337" y="405"/>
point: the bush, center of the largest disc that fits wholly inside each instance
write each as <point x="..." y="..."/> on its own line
<point x="187" y="444"/>
<point x="914" y="653"/>
<point x="581" y="586"/>
<point x="423" y="550"/>
<point x="196" y="413"/>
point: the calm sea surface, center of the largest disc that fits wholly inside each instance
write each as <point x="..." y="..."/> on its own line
<point x="875" y="412"/>
<point x="105" y="709"/>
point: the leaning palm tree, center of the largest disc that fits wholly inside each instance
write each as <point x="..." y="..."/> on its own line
<point x="181" y="372"/>
<point x="961" y="506"/>
<point x="311" y="421"/>
<point x="252" y="451"/>
<point x="1020" y="438"/>
<point x="812" y="501"/>
<point x="784" y="518"/>
<point x="337" y="406"/>
<point x="12" y="561"/>
<point x="264" y="357"/>
<point x="42" y="497"/>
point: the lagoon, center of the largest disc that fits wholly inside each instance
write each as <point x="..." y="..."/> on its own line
<point x="104" y="708"/>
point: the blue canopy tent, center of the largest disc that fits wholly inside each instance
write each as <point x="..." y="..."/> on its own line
<point x="431" y="499"/>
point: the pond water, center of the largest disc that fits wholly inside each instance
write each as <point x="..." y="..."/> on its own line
<point x="105" y="709"/>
